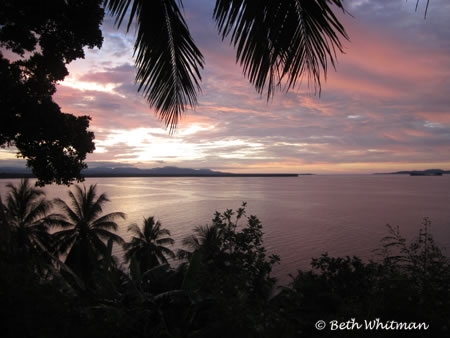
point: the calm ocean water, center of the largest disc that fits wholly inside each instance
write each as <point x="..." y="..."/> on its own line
<point x="302" y="217"/>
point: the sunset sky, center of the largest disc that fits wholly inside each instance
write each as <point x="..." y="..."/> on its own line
<point x="386" y="108"/>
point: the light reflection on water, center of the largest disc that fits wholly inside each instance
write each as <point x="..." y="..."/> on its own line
<point x="302" y="217"/>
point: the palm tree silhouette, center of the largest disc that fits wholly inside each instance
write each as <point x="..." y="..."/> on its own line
<point x="85" y="231"/>
<point x="5" y="231"/>
<point x="206" y="240"/>
<point x="26" y="214"/>
<point x="277" y="43"/>
<point x="148" y="245"/>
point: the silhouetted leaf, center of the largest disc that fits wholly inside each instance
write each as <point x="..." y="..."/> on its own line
<point x="167" y="59"/>
<point x="280" y="41"/>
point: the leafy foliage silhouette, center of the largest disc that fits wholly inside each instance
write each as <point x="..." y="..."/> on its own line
<point x="43" y="37"/>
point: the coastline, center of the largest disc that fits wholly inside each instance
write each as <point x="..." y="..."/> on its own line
<point x="19" y="175"/>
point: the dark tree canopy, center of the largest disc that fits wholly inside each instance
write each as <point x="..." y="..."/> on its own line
<point x="39" y="39"/>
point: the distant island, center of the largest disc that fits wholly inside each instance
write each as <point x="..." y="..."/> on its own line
<point x="428" y="172"/>
<point x="11" y="172"/>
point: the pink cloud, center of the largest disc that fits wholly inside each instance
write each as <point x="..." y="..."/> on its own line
<point x="121" y="74"/>
<point x="387" y="104"/>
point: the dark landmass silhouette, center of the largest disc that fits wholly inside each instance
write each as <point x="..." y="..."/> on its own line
<point x="427" y="172"/>
<point x="104" y="171"/>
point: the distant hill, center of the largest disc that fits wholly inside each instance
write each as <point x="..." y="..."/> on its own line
<point x="15" y="170"/>
<point x="418" y="172"/>
<point x="120" y="171"/>
<point x="132" y="171"/>
<point x="104" y="171"/>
